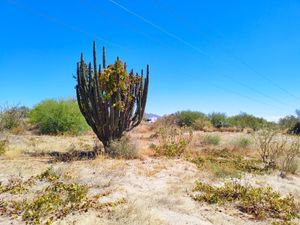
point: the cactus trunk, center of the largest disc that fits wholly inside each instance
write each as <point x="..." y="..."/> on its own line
<point x="111" y="99"/>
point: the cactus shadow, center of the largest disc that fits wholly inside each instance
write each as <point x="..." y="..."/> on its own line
<point x="75" y="155"/>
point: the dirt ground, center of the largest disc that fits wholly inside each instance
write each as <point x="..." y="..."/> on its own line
<point x="157" y="189"/>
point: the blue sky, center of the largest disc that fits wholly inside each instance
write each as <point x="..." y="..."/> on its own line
<point x="228" y="56"/>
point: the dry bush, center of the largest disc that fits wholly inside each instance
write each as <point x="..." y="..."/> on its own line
<point x="290" y="162"/>
<point x="13" y="118"/>
<point x="211" y="139"/>
<point x="270" y="146"/>
<point x="202" y="123"/>
<point x="3" y="146"/>
<point x="172" y="141"/>
<point x="241" y="142"/>
<point x="123" y="148"/>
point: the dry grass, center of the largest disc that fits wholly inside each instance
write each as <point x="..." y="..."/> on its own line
<point x="156" y="187"/>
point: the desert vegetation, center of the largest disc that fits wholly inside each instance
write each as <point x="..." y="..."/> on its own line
<point x="255" y="174"/>
<point x="96" y="161"/>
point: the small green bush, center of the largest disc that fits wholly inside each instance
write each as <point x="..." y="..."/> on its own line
<point x="211" y="139"/>
<point x="241" y="142"/>
<point x="188" y="118"/>
<point x="260" y="202"/>
<point x="244" y="120"/>
<point x="123" y="148"/>
<point x="58" y="117"/>
<point x="218" y="120"/>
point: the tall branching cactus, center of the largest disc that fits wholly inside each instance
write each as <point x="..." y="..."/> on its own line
<point x="111" y="99"/>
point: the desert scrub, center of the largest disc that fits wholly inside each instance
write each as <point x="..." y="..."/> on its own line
<point x="12" y="117"/>
<point x="123" y="148"/>
<point x="260" y="202"/>
<point x="241" y="142"/>
<point x="211" y="139"/>
<point x="58" y="117"/>
<point x="290" y="162"/>
<point x="223" y="163"/>
<point x="55" y="201"/>
<point x="270" y="146"/>
<point x="172" y="141"/>
<point x="3" y="146"/>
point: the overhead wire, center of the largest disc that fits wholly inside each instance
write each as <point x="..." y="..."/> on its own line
<point x="96" y="37"/>
<point x="191" y="26"/>
<point x="192" y="46"/>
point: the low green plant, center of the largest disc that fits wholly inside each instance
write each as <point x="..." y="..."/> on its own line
<point x="172" y="141"/>
<point x="58" y="117"/>
<point x="223" y="163"/>
<point x="123" y="148"/>
<point x="260" y="202"/>
<point x="211" y="139"/>
<point x="55" y="201"/>
<point x="241" y="142"/>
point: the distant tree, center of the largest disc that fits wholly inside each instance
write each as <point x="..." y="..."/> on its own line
<point x="244" y="120"/>
<point x="188" y="118"/>
<point x="218" y="119"/>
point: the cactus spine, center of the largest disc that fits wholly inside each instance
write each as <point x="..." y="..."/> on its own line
<point x="111" y="99"/>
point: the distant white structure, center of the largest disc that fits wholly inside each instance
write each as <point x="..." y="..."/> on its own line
<point x="151" y="118"/>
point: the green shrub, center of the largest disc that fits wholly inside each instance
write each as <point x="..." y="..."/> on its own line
<point x="244" y="120"/>
<point x="241" y="142"/>
<point x="288" y="122"/>
<point x="188" y="118"/>
<point x="218" y="120"/>
<point x="123" y="148"/>
<point x="211" y="139"/>
<point x="202" y="123"/>
<point x="58" y="116"/>
<point x="12" y="117"/>
<point x="260" y="202"/>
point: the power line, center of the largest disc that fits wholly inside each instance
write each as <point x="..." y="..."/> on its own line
<point x="239" y="59"/>
<point x="159" y="28"/>
<point x="188" y="44"/>
<point x="93" y="7"/>
<point x="60" y="22"/>
<point x="76" y="29"/>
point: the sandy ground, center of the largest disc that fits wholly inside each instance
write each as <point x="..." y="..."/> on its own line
<point x="156" y="189"/>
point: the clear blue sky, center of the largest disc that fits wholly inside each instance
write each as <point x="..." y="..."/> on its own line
<point x="227" y="56"/>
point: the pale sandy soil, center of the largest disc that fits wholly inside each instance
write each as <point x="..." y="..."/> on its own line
<point x="157" y="190"/>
